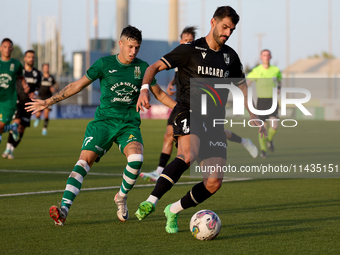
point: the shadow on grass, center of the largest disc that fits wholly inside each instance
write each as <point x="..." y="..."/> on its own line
<point x="264" y="233"/>
<point x="289" y="206"/>
<point x="280" y="223"/>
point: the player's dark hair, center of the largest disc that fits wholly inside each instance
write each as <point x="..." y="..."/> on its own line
<point x="45" y="64"/>
<point x="266" y="50"/>
<point x="29" y="51"/>
<point x="226" y="11"/>
<point x="189" y="30"/>
<point x="133" y="33"/>
<point x="6" y="40"/>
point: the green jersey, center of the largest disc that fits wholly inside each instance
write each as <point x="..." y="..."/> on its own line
<point x="266" y="80"/>
<point x="9" y="72"/>
<point x="119" y="85"/>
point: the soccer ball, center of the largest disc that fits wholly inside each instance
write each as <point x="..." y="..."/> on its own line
<point x="205" y="225"/>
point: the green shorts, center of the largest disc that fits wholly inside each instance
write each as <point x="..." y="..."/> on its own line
<point x="6" y="113"/>
<point x="101" y="134"/>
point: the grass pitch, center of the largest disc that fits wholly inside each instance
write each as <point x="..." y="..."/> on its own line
<point x="259" y="216"/>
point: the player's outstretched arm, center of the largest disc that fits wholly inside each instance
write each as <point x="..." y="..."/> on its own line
<point x="262" y="129"/>
<point x="163" y="97"/>
<point x="69" y="90"/>
<point x="150" y="73"/>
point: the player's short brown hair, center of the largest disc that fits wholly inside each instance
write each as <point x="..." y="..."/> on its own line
<point x="189" y="30"/>
<point x="265" y="50"/>
<point x="6" y="40"/>
<point x="133" y="33"/>
<point x="226" y="11"/>
<point x="29" y="51"/>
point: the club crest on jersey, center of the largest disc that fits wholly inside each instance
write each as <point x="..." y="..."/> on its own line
<point x="35" y="74"/>
<point x="137" y="73"/>
<point x="11" y="67"/>
<point x="226" y="74"/>
<point x="226" y="58"/>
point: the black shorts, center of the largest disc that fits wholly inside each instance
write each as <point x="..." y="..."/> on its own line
<point x="44" y="96"/>
<point x="265" y="104"/>
<point x="171" y="118"/>
<point x="212" y="139"/>
<point x="213" y="142"/>
<point x="23" y="115"/>
<point x="181" y="122"/>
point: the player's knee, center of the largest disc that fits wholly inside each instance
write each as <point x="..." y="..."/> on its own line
<point x="213" y="184"/>
<point x="187" y="157"/>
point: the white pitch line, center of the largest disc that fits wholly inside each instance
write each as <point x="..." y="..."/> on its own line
<point x="58" y="172"/>
<point x="111" y="187"/>
<point x="51" y="172"/>
<point x="89" y="173"/>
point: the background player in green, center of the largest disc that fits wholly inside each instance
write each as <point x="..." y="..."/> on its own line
<point x="10" y="73"/>
<point x="266" y="77"/>
<point x="22" y="117"/>
<point x="116" y="119"/>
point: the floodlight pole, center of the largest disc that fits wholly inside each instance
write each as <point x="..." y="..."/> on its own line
<point x="87" y="66"/>
<point x="239" y="30"/>
<point x="29" y="13"/>
<point x="287" y="38"/>
<point x="173" y="21"/>
<point x="259" y="43"/>
<point x="330" y="50"/>
<point x="96" y="19"/>
<point x="60" y="54"/>
<point x="203" y="17"/>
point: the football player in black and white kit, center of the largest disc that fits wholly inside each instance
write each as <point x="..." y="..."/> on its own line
<point x="188" y="35"/>
<point x="47" y="88"/>
<point x="207" y="57"/>
<point x="22" y="117"/>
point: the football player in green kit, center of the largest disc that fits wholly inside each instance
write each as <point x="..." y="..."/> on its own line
<point x="116" y="119"/>
<point x="11" y="71"/>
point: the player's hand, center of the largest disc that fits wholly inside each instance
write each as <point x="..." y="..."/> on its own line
<point x="143" y="100"/>
<point x="256" y="122"/>
<point x="36" y="106"/>
<point x="170" y="89"/>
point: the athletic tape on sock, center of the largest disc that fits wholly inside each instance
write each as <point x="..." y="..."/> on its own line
<point x="135" y="157"/>
<point x="83" y="164"/>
